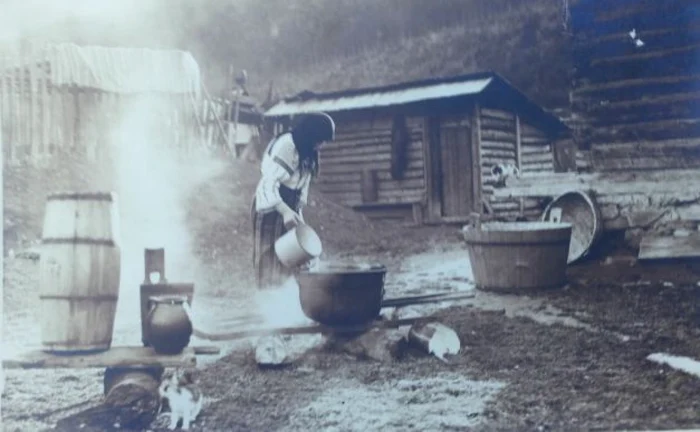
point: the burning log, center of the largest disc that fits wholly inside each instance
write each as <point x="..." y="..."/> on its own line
<point x="435" y="338"/>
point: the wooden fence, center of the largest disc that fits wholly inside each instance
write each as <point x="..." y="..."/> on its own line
<point x="39" y="119"/>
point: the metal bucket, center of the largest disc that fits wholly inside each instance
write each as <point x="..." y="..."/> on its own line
<point x="298" y="246"/>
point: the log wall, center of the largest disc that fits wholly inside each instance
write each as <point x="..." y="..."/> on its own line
<point x="360" y="157"/>
<point x="642" y="103"/>
<point x="626" y="199"/>
<point x="506" y="139"/>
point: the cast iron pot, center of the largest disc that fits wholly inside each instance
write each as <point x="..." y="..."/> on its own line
<point x="342" y="294"/>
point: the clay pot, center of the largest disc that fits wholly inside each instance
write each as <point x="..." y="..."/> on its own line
<point x="169" y="326"/>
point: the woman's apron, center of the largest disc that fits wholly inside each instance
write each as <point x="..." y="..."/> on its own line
<point x="267" y="228"/>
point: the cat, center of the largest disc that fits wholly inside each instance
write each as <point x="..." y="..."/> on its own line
<point x="183" y="396"/>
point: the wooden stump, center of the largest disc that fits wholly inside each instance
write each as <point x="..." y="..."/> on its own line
<point x="131" y="402"/>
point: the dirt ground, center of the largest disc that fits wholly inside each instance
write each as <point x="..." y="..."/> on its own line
<point x="571" y="359"/>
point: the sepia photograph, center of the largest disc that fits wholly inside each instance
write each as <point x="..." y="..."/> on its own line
<point x="350" y="215"/>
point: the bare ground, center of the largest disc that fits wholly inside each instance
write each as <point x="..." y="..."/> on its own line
<point x="550" y="361"/>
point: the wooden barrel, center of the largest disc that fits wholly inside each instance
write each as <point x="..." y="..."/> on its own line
<point x="581" y="211"/>
<point x="79" y="272"/>
<point x="516" y="256"/>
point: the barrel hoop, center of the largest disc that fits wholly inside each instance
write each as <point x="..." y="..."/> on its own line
<point x="81" y="196"/>
<point x="78" y="240"/>
<point x="509" y="244"/>
<point x="97" y="298"/>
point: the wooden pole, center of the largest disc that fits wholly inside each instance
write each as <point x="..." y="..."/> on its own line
<point x="235" y="120"/>
<point x="519" y="157"/>
<point x="229" y="133"/>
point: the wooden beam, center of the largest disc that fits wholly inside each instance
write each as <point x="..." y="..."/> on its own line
<point x="659" y="182"/>
<point x="655" y="247"/>
<point x="115" y="357"/>
<point x="476" y="160"/>
<point x="518" y="144"/>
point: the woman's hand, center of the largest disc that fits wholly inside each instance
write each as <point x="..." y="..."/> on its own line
<point x="291" y="219"/>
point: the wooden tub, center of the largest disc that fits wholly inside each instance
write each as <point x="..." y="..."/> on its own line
<point x="516" y="256"/>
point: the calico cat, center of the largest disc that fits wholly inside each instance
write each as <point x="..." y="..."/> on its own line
<point x="183" y="397"/>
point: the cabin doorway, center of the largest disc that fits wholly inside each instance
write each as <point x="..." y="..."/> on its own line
<point x="452" y="162"/>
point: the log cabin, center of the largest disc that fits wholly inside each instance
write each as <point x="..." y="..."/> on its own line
<point x="636" y="95"/>
<point x="423" y="152"/>
<point x="636" y="82"/>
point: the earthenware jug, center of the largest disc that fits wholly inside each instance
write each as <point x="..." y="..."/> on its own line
<point x="169" y="324"/>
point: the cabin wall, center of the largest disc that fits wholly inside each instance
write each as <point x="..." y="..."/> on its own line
<point x="355" y="170"/>
<point x="507" y="139"/>
<point x="640" y="103"/>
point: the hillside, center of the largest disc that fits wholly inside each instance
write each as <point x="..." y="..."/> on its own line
<point x="308" y="44"/>
<point x="321" y="45"/>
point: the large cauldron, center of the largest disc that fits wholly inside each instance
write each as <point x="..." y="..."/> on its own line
<point x="342" y="294"/>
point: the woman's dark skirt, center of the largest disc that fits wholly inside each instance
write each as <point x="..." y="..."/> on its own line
<point x="267" y="228"/>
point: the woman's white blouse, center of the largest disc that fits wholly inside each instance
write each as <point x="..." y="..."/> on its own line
<point x="280" y="166"/>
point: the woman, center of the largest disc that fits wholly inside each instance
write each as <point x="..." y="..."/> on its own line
<point x="288" y="164"/>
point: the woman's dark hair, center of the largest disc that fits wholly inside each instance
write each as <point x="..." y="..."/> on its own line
<point x="307" y="133"/>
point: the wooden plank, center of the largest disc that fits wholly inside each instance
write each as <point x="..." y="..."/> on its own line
<point x="413" y="154"/>
<point x="655" y="247"/>
<point x="648" y="108"/>
<point x="496" y="153"/>
<point x="331" y="168"/>
<point x="115" y="357"/>
<point x="645" y="163"/>
<point x="615" y="183"/>
<point x="33" y="108"/>
<point x="497" y="124"/>
<point x="349" y="149"/>
<point x="403" y="185"/>
<point x="518" y="143"/>
<point x="528" y="150"/>
<point x="648" y="131"/>
<point x="497" y="114"/>
<point x="527" y="130"/>
<point x="537" y="158"/>
<point x="5" y="113"/>
<point x="349" y="177"/>
<point x="637" y="14"/>
<point x="660" y="63"/>
<point x="635" y="88"/>
<point x="432" y="169"/>
<point x="682" y="148"/>
<point x="621" y="43"/>
<point x="476" y="146"/>
<point x="498" y="145"/>
<point x="515" y="203"/>
<point x="494" y="135"/>
<point x="365" y="135"/>
<point x="355" y="199"/>
<point x="45" y="102"/>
